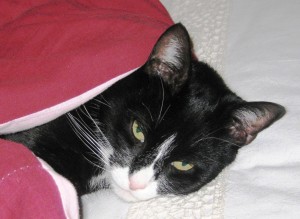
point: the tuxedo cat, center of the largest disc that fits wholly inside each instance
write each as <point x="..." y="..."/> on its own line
<point x="168" y="128"/>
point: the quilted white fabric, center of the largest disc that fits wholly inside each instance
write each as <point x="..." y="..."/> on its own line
<point x="205" y="204"/>
<point x="206" y="21"/>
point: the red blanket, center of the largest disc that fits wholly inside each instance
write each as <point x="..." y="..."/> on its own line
<point x="52" y="52"/>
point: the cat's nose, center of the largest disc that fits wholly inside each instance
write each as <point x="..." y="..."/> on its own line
<point x="135" y="184"/>
<point x="141" y="179"/>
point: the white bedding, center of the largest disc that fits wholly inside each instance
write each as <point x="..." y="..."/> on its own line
<point x="262" y="62"/>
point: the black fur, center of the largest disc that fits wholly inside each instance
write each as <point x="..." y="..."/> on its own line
<point x="170" y="94"/>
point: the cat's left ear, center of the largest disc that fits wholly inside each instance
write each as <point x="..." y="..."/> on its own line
<point x="171" y="56"/>
<point x="250" y="118"/>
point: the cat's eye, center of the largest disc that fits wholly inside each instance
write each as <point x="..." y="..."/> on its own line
<point x="137" y="131"/>
<point x="182" y="165"/>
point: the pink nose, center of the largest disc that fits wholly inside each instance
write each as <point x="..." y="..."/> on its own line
<point x="135" y="184"/>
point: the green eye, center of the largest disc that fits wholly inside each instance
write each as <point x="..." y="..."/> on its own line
<point x="182" y="165"/>
<point x="137" y="131"/>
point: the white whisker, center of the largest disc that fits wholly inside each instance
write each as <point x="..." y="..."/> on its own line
<point x="148" y="112"/>
<point x="94" y="164"/>
<point x="164" y="113"/>
<point x="223" y="140"/>
<point x="104" y="103"/>
<point x="98" y="128"/>
<point x="87" y="136"/>
<point x="162" y="102"/>
<point x="209" y="158"/>
<point x="207" y="135"/>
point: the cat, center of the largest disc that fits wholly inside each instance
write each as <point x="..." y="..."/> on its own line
<point x="170" y="127"/>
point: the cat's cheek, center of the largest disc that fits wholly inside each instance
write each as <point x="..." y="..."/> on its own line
<point x="119" y="176"/>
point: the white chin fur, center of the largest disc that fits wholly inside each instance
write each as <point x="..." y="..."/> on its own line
<point x="124" y="194"/>
<point x="142" y="185"/>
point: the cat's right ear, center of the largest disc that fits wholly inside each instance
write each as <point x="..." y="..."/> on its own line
<point x="170" y="58"/>
<point x="250" y="118"/>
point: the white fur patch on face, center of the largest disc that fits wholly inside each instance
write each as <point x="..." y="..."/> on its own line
<point x="120" y="177"/>
<point x="165" y="148"/>
<point x="140" y="185"/>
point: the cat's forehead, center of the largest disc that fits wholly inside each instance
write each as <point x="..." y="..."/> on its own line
<point x="182" y="124"/>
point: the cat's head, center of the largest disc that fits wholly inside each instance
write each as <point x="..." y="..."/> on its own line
<point x="173" y="125"/>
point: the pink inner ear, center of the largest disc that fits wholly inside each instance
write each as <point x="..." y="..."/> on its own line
<point x="170" y="57"/>
<point x="246" y="125"/>
<point x="240" y="134"/>
<point x="251" y="118"/>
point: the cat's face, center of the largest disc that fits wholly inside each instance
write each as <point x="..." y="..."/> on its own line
<point x="161" y="143"/>
<point x="173" y="125"/>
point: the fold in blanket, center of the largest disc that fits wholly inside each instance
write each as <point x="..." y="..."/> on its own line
<point x="52" y="51"/>
<point x="28" y="191"/>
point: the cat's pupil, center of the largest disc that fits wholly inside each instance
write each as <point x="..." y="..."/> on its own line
<point x="138" y="129"/>
<point x="184" y="163"/>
